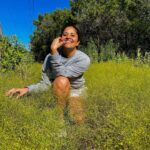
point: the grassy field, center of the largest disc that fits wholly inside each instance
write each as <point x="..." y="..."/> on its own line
<point x="117" y="109"/>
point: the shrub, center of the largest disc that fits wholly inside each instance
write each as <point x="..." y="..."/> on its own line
<point x="91" y="51"/>
<point x="147" y="58"/>
<point x="11" y="53"/>
<point x="108" y="51"/>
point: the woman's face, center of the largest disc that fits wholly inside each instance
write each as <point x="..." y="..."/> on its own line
<point x="70" y="37"/>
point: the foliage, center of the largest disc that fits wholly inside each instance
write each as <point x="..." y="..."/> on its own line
<point x="147" y="58"/>
<point x="126" y="22"/>
<point x="117" y="109"/>
<point x="121" y="57"/>
<point x="108" y="51"/>
<point x="90" y="50"/>
<point x="11" y="53"/>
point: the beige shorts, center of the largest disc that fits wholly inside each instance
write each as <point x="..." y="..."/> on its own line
<point x="78" y="92"/>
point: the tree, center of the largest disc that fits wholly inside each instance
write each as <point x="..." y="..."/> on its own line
<point x="126" y="22"/>
<point x="99" y="20"/>
<point x="138" y="14"/>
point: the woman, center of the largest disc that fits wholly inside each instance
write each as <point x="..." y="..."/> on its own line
<point x="63" y="68"/>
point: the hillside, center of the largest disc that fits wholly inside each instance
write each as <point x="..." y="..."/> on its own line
<point x="117" y="108"/>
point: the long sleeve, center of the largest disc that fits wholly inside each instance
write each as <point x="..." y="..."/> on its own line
<point x="75" y="69"/>
<point x="45" y="81"/>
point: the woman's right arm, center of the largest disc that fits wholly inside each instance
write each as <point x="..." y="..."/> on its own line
<point x="40" y="86"/>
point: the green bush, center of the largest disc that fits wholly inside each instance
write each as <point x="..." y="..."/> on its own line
<point x="108" y="51"/>
<point x="11" y="53"/>
<point x="91" y="51"/>
<point x="121" y="57"/>
<point x="147" y="58"/>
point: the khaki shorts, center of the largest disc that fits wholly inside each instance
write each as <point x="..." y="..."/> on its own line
<point x="78" y="92"/>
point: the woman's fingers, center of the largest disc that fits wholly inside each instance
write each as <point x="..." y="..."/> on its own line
<point x="57" y="42"/>
<point x="61" y="41"/>
<point x="20" y="92"/>
<point x="11" y="92"/>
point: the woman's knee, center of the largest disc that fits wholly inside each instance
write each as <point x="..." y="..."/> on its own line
<point x="61" y="83"/>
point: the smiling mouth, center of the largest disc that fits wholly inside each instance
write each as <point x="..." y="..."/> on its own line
<point x="68" y="41"/>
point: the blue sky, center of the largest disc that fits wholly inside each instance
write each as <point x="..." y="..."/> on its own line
<point x="16" y="16"/>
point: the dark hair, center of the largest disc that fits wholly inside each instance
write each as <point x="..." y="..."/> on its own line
<point x="74" y="26"/>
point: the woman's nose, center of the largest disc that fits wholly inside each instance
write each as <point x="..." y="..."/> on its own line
<point x="68" y="36"/>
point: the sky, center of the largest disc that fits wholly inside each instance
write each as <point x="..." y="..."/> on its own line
<point x="16" y="16"/>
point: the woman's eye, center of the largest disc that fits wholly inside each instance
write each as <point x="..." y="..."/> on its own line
<point x="64" y="34"/>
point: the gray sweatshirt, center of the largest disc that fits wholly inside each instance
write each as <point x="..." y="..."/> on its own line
<point x="59" y="65"/>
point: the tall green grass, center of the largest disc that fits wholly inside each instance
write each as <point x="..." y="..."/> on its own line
<point x="117" y="110"/>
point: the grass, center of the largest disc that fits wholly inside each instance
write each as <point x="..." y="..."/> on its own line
<point x="117" y="108"/>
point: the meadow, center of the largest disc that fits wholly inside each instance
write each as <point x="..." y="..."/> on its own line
<point x="117" y="111"/>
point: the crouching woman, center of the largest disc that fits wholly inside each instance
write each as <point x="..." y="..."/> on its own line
<point x="63" y="69"/>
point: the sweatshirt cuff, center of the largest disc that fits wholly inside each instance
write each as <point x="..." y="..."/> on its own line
<point x="30" y="87"/>
<point x="55" y="56"/>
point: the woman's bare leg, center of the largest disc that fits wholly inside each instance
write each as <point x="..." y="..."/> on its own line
<point x="61" y="90"/>
<point x="76" y="109"/>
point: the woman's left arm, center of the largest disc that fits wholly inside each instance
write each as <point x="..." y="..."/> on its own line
<point x="77" y="67"/>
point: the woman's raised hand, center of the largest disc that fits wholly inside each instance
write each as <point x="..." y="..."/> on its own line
<point x="19" y="91"/>
<point x="57" y="42"/>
